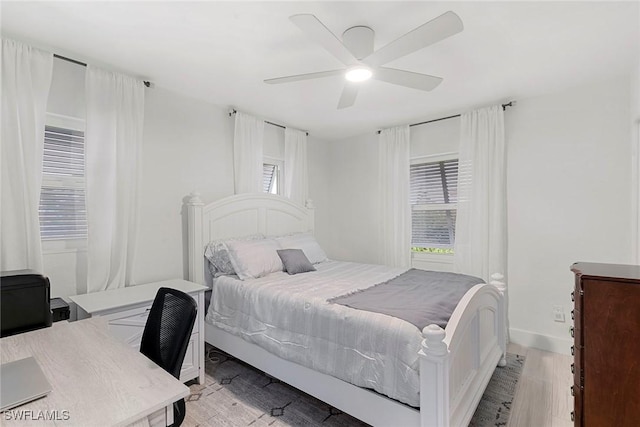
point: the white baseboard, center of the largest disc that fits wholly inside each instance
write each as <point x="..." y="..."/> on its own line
<point x="541" y="342"/>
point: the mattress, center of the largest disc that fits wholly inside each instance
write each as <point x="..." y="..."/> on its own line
<point x="289" y="316"/>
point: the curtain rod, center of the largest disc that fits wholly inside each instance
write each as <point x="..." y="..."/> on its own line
<point x="83" y="64"/>
<point x="504" y="107"/>
<point x="233" y="111"/>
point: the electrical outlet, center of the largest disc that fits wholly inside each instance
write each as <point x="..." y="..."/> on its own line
<point x="558" y="313"/>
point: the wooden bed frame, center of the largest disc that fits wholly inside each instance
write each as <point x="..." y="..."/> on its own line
<point x="456" y="363"/>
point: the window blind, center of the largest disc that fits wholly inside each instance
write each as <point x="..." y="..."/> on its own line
<point x="433" y="228"/>
<point x="433" y="194"/>
<point x="62" y="211"/>
<point x="269" y="176"/>
<point x="435" y="182"/>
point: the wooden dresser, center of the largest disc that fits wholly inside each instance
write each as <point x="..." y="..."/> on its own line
<point x="606" y="346"/>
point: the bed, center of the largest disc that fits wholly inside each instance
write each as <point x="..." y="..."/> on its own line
<point x="454" y="364"/>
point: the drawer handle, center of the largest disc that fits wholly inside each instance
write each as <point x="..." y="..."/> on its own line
<point x="573" y="368"/>
<point x="572" y="416"/>
<point x="572" y="315"/>
<point x="572" y="393"/>
<point x="573" y="351"/>
<point x="573" y="296"/>
<point x="572" y="332"/>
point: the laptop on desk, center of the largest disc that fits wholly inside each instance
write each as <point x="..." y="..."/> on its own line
<point x="21" y="381"/>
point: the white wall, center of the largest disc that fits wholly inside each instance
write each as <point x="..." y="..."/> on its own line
<point x="352" y="231"/>
<point x="187" y="147"/>
<point x="273" y="142"/>
<point x="319" y="167"/>
<point x="435" y="138"/>
<point x="568" y="198"/>
<point x="635" y="167"/>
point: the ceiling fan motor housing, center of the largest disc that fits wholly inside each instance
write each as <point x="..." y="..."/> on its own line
<point x="359" y="41"/>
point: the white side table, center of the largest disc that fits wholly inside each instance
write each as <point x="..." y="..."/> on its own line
<point x="126" y="311"/>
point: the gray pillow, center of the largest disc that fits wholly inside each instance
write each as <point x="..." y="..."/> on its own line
<point x="295" y="261"/>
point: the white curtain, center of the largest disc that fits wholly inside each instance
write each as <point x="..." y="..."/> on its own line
<point x="26" y="78"/>
<point x="296" y="185"/>
<point x="481" y="227"/>
<point x="635" y="189"/>
<point x="394" y="195"/>
<point x="113" y="141"/>
<point x="248" y="142"/>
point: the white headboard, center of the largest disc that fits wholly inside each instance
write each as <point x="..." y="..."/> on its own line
<point x="237" y="216"/>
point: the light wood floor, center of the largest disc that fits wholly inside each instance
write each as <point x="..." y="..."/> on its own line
<point x="543" y="397"/>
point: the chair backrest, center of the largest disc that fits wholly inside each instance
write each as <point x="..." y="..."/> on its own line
<point x="168" y="329"/>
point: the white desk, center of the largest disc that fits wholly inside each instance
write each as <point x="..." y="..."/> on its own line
<point x="99" y="380"/>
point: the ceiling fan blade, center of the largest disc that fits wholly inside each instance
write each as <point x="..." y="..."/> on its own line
<point x="316" y="30"/>
<point x="407" y="78"/>
<point x="427" y="34"/>
<point x="348" y="97"/>
<point x="308" y="76"/>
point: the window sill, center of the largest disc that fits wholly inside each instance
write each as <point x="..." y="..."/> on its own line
<point x="428" y="257"/>
<point x="63" y="246"/>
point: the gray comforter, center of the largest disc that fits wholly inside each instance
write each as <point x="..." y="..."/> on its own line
<point x="420" y="297"/>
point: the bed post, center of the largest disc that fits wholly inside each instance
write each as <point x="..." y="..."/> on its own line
<point x="497" y="280"/>
<point x="434" y="378"/>
<point x="195" y="244"/>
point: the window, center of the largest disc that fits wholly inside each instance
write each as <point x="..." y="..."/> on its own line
<point x="433" y="196"/>
<point x="272" y="176"/>
<point x="63" y="215"/>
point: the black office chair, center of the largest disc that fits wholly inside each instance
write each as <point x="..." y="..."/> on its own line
<point x="166" y="335"/>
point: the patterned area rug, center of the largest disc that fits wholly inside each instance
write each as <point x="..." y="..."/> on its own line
<point x="236" y="394"/>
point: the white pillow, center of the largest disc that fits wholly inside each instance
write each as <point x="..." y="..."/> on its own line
<point x="218" y="255"/>
<point x="254" y="258"/>
<point x="307" y="243"/>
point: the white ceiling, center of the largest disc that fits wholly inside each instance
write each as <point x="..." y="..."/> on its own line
<point x="221" y="52"/>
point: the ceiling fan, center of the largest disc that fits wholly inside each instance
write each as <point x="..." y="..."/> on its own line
<point x="362" y="62"/>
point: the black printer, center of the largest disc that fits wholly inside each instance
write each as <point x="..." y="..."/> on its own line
<point x="24" y="302"/>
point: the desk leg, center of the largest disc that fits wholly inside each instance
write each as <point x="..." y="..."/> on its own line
<point x="169" y="415"/>
<point x="161" y="418"/>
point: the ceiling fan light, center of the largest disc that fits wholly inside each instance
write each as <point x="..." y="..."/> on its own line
<point x="358" y="74"/>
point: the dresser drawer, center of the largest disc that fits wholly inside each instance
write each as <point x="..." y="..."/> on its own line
<point x="578" y="339"/>
<point x="576" y="297"/>
<point x="128" y="326"/>
<point x="578" y="372"/>
<point x="576" y="415"/>
<point x="191" y="362"/>
<point x="577" y="330"/>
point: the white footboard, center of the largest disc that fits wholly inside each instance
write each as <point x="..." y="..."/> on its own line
<point x="456" y="363"/>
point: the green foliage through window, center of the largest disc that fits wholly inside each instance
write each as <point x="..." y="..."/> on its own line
<point x="433" y="250"/>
